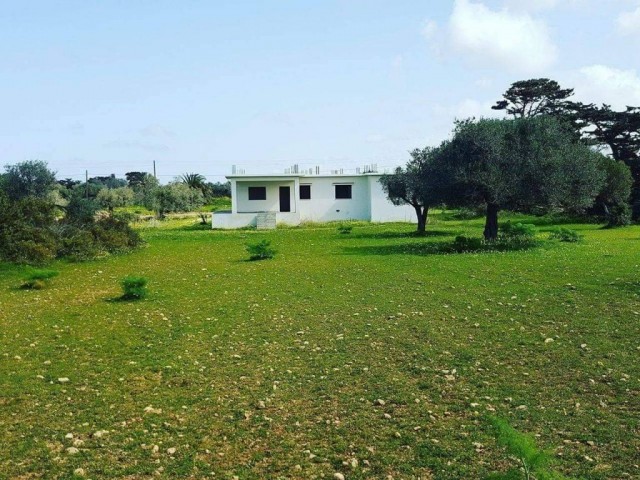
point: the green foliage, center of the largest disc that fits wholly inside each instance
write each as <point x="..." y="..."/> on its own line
<point x="261" y="250"/>
<point x="38" y="278"/>
<point x="134" y="288"/>
<point x="564" y="234"/>
<point x="27" y="230"/>
<point x="517" y="165"/>
<point x="533" y="462"/>
<point x="530" y="98"/>
<point x="345" y="229"/>
<point x="464" y="243"/>
<point x="194" y="180"/>
<point x="518" y="231"/>
<point x="176" y="197"/>
<point x="111" y="198"/>
<point x="619" y="215"/>
<point x="28" y="179"/>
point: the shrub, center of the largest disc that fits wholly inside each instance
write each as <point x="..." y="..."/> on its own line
<point x="134" y="288"/>
<point x="565" y="235"/>
<point x="519" y="231"/>
<point x="38" y="279"/>
<point x="619" y="216"/>
<point x="261" y="250"/>
<point x="345" y="229"/>
<point x="465" y="213"/>
<point x="533" y="462"/>
<point x="114" y="235"/>
<point x="462" y="243"/>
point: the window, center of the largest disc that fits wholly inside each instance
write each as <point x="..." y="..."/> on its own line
<point x="305" y="192"/>
<point x="343" y="191"/>
<point x="257" y="193"/>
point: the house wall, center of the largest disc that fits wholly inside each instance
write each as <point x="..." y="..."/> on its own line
<point x="323" y="205"/>
<point x="272" y="202"/>
<point x="382" y="210"/>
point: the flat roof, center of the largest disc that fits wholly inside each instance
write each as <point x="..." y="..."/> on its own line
<point x="276" y="176"/>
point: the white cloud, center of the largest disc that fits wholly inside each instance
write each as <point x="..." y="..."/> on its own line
<point x="531" y="5"/>
<point x="602" y="84"/>
<point x="629" y="22"/>
<point x="429" y="29"/>
<point x="515" y="42"/>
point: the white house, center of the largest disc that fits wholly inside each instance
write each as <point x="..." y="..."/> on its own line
<point x="292" y="198"/>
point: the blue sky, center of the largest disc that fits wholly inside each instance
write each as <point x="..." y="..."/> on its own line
<point x="198" y="86"/>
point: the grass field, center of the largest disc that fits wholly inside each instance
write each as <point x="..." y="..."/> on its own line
<point x="273" y="369"/>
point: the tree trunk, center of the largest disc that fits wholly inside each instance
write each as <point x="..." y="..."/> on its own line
<point x="422" y="215"/>
<point x="491" y="224"/>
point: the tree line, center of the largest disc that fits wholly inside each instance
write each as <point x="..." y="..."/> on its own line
<point x="552" y="154"/>
<point x="42" y="218"/>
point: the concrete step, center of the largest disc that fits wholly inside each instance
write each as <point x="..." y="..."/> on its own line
<point x="266" y="221"/>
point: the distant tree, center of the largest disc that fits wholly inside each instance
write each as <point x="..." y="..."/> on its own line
<point x="619" y="131"/>
<point x="68" y="183"/>
<point x="175" y="197"/>
<point x="417" y="184"/>
<point x="530" y="98"/>
<point x="109" y="181"/>
<point x="217" y="190"/>
<point x="28" y="179"/>
<point x="516" y="165"/>
<point x="194" y="180"/>
<point x="135" y="179"/>
<point x="111" y="198"/>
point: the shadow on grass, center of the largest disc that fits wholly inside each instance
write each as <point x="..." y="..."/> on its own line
<point x="433" y="248"/>
<point x="412" y="234"/>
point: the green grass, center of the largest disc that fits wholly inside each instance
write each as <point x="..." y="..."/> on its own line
<point x="272" y="369"/>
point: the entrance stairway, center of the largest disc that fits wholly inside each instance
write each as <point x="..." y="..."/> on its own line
<point x="266" y="221"/>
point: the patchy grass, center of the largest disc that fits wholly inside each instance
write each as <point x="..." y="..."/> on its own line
<point x="273" y="369"/>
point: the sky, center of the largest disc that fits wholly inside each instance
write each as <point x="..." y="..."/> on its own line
<point x="198" y="86"/>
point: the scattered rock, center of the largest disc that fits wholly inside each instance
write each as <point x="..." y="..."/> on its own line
<point x="261" y="405"/>
<point x="548" y="340"/>
<point x="72" y="450"/>
<point x="100" y="433"/>
<point x="63" y="380"/>
<point x="79" y="472"/>
<point x="171" y="450"/>
<point x="387" y="416"/>
<point x="380" y="402"/>
<point x="69" y="436"/>
<point x="338" y="476"/>
<point x="150" y="409"/>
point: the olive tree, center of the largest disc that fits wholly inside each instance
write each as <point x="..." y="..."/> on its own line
<point x="517" y="165"/>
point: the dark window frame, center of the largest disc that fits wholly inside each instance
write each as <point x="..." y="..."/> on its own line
<point x="345" y="187"/>
<point x="307" y="195"/>
<point x="257" y="193"/>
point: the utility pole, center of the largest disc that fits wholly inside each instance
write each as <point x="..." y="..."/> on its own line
<point x="154" y="170"/>
<point x="86" y="183"/>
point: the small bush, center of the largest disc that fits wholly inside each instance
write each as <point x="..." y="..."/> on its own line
<point x="134" y="288"/>
<point x="261" y="250"/>
<point x="462" y="243"/>
<point x="520" y="231"/>
<point x="38" y="279"/>
<point x="532" y="462"/>
<point x="345" y="229"/>
<point x="619" y="216"/>
<point x="565" y="235"/>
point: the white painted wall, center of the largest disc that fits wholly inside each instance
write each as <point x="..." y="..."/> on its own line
<point x="271" y="204"/>
<point x="323" y="205"/>
<point x="382" y="210"/>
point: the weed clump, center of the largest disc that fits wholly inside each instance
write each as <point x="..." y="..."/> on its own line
<point x="38" y="279"/>
<point x="345" y="229"/>
<point x="261" y="250"/>
<point x="565" y="235"/>
<point x="134" y="288"/>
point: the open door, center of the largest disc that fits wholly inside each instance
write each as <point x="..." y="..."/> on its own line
<point x="285" y="199"/>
